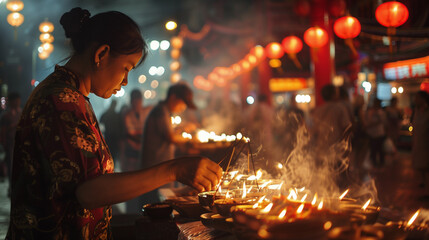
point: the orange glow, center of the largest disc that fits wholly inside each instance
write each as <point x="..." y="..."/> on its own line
<point x="344" y="194"/>
<point x="413" y="218"/>
<point x="46" y="38"/>
<point x="366" y="204"/>
<point x="391" y="14"/>
<point x="177" y="42"/>
<point x="14" y="5"/>
<point x="244" y="190"/>
<point x="175" y="53"/>
<point x="316" y="37"/>
<point x="347" y="27"/>
<point x="304" y="197"/>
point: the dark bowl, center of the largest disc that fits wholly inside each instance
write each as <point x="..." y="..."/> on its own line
<point x="158" y="210"/>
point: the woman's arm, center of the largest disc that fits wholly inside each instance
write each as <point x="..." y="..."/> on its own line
<point x="197" y="172"/>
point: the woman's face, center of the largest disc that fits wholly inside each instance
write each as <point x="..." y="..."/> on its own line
<point x="112" y="74"/>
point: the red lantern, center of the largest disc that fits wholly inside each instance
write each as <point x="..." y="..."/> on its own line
<point x="274" y="50"/>
<point x="292" y="44"/>
<point x="391" y="14"/>
<point x="347" y="27"/>
<point x="258" y="51"/>
<point x="315" y="37"/>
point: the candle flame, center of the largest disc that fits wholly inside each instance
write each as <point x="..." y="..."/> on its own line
<point x="244" y="190"/>
<point x="366" y="204"/>
<point x="267" y="208"/>
<point x="248" y="191"/>
<point x="227" y="195"/>
<point x="261" y="199"/>
<point x="233" y="173"/>
<point x="413" y="218"/>
<point x="300" y="189"/>
<point x="255" y="205"/>
<point x="220" y="189"/>
<point x="265" y="184"/>
<point x="258" y="174"/>
<point x="292" y="194"/>
<point x="282" y="214"/>
<point x="279" y="165"/>
<point x="300" y="208"/>
<point x="344" y="194"/>
<point x="304" y="197"/>
<point x="320" y="206"/>
<point x="314" y="200"/>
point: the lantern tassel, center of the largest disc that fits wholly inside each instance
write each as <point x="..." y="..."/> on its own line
<point x="349" y="43"/>
<point x="295" y="60"/>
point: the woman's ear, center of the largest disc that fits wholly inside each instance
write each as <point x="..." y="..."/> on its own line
<point x="101" y="53"/>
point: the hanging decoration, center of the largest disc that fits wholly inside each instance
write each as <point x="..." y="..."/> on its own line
<point x="391" y="15"/>
<point x="176" y="44"/>
<point x="315" y="37"/>
<point x="46" y="48"/>
<point x="15" y="19"/>
<point x="347" y="28"/>
<point x="274" y="50"/>
<point x="292" y="45"/>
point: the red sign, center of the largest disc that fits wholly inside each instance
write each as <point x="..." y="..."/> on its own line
<point x="412" y="68"/>
<point x="287" y="84"/>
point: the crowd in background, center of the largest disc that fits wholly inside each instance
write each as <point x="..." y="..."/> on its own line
<point x="372" y="130"/>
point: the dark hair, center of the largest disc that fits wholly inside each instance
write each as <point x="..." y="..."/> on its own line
<point x="136" y="94"/>
<point x="328" y="92"/>
<point x="113" y="28"/>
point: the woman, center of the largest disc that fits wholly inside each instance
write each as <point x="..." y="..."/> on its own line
<point x="63" y="182"/>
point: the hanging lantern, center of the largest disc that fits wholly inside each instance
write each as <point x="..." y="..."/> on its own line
<point x="48" y="47"/>
<point x="14" y="5"/>
<point x="175" y="53"/>
<point x="292" y="45"/>
<point x="46" y="27"/>
<point x="177" y="42"/>
<point x="258" y="51"/>
<point x="175" y="77"/>
<point x="347" y="27"/>
<point x="46" y="38"/>
<point x="274" y="50"/>
<point x="315" y="37"/>
<point x="43" y="55"/>
<point x="15" y="19"/>
<point x="175" y="66"/>
<point x="252" y="59"/>
<point x="391" y="14"/>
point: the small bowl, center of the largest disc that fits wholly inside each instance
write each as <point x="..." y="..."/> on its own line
<point x="206" y="199"/>
<point x="158" y="210"/>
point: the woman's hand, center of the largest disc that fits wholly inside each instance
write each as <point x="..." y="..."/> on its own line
<point x="197" y="172"/>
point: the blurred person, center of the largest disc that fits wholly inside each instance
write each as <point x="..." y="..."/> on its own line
<point x="331" y="120"/>
<point x="113" y="129"/>
<point x="159" y="139"/>
<point x="359" y="139"/>
<point x="134" y="120"/>
<point x="420" y="140"/>
<point x="259" y="119"/>
<point x="394" y="119"/>
<point x="376" y="123"/>
<point x="63" y="184"/>
<point x="8" y="123"/>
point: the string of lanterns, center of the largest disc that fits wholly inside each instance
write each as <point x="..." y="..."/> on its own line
<point x="15" y="18"/>
<point x="389" y="14"/>
<point x="46" y="28"/>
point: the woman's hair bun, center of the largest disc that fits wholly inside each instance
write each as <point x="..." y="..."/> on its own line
<point x="73" y="21"/>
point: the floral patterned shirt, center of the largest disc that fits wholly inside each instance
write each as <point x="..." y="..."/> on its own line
<point x="58" y="146"/>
